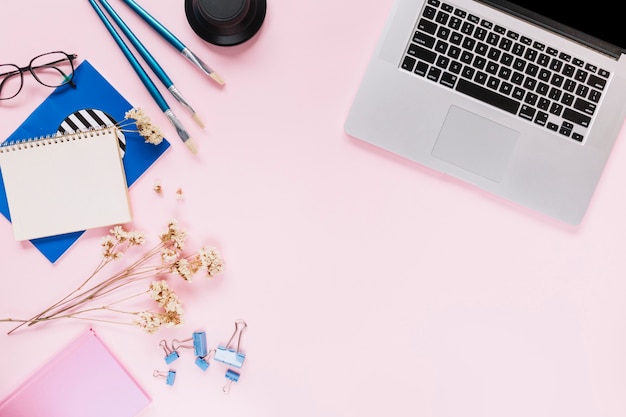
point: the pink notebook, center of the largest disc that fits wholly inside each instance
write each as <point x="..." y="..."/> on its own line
<point x="83" y="380"/>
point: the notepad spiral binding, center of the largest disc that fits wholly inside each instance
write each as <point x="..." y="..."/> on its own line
<point x="16" y="145"/>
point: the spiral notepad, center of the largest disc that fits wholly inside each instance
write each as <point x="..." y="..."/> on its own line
<point x="64" y="183"/>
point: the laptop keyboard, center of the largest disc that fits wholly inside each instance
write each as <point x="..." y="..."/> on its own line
<point x="505" y="69"/>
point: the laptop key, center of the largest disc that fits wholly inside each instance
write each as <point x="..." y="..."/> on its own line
<point x="468" y="72"/>
<point x="585" y="106"/>
<point x="421" y="68"/>
<point x="455" y="23"/>
<point x="487" y="96"/>
<point x="527" y="112"/>
<point x="424" y="39"/>
<point x="596" y="82"/>
<point x="594" y="95"/>
<point x="433" y="74"/>
<point x="566" y="129"/>
<point x="541" y="118"/>
<point x="448" y="79"/>
<point x="576" y="117"/>
<point x="421" y="53"/>
<point x="427" y="26"/>
<point x="408" y="63"/>
<point x="429" y="12"/>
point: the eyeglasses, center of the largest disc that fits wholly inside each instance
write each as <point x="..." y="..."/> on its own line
<point x="52" y="69"/>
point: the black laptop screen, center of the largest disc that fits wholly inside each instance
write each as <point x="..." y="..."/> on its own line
<point x="594" y="26"/>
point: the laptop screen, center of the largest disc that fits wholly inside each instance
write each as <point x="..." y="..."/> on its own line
<point x="597" y="27"/>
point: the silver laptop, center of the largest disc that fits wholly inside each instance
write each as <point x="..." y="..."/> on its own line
<point x="500" y="94"/>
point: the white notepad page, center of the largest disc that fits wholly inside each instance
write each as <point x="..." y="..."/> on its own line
<point x="65" y="184"/>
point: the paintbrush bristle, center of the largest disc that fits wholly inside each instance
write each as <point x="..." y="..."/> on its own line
<point x="197" y="120"/>
<point x="191" y="146"/>
<point x="217" y="78"/>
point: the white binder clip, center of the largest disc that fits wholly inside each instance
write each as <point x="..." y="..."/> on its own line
<point x="229" y="355"/>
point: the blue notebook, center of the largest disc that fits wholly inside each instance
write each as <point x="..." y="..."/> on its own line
<point x="94" y="100"/>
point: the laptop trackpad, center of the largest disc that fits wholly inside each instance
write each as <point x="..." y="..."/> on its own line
<point x="475" y="144"/>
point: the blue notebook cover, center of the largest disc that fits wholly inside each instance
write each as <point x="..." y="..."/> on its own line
<point x="94" y="98"/>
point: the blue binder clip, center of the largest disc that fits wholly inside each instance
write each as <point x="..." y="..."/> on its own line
<point x="231" y="376"/>
<point x="170" y="354"/>
<point x="229" y="355"/>
<point x="199" y="344"/>
<point x="199" y="347"/>
<point x="170" y="376"/>
<point x="202" y="363"/>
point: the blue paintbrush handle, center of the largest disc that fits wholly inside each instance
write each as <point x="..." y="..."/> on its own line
<point x="147" y="56"/>
<point x="154" y="92"/>
<point x="156" y="25"/>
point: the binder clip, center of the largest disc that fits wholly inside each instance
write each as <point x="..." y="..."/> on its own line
<point x="170" y="376"/>
<point x="202" y="363"/>
<point x="231" y="376"/>
<point x="228" y="355"/>
<point x="199" y="344"/>
<point x="170" y="354"/>
<point x="199" y="347"/>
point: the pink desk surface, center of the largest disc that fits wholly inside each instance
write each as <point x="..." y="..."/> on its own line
<point x="371" y="286"/>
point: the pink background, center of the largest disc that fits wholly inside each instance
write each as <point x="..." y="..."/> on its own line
<point x="371" y="286"/>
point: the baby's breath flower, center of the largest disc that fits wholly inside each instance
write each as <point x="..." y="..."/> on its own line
<point x="150" y="132"/>
<point x="159" y="291"/>
<point x="171" y="260"/>
<point x="211" y="261"/>
<point x="172" y="319"/>
<point x="136" y="238"/>
<point x="183" y="268"/>
<point x="169" y="255"/>
<point x="119" y="234"/>
<point x="149" y="321"/>
<point x="174" y="234"/>
<point x="109" y="245"/>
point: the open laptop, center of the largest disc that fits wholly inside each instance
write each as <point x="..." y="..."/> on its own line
<point x="524" y="99"/>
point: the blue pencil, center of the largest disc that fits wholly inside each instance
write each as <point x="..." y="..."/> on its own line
<point x="143" y="75"/>
<point x="147" y="56"/>
<point x="173" y="40"/>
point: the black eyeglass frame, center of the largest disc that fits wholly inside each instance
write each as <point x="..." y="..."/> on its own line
<point x="67" y="79"/>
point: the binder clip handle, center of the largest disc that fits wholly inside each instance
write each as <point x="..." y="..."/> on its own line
<point x="240" y="325"/>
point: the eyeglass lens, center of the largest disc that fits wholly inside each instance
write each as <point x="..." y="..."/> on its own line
<point x="52" y="70"/>
<point x="10" y="81"/>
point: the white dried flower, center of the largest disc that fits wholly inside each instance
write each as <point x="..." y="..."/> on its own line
<point x="99" y="294"/>
<point x="150" y="132"/>
<point x="211" y="261"/>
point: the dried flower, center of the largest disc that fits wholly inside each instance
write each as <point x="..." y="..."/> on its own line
<point x="150" y="132"/>
<point x="84" y="301"/>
